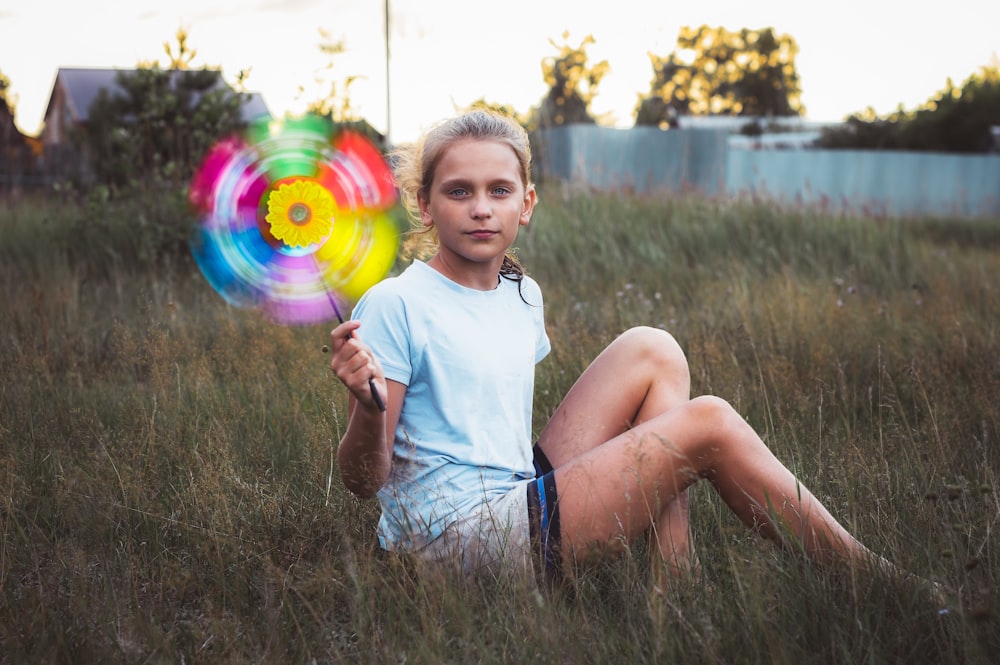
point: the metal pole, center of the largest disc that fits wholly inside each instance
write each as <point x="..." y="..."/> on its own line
<point x="388" y="94"/>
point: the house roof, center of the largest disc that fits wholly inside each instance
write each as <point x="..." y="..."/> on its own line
<point x="82" y="86"/>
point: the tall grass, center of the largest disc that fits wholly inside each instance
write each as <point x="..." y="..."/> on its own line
<point x="170" y="492"/>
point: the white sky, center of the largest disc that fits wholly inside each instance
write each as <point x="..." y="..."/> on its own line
<point x="446" y="54"/>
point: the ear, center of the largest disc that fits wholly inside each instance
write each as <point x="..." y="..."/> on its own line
<point x="425" y="211"/>
<point x="528" y="206"/>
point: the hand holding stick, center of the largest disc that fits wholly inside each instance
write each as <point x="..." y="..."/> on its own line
<point x="371" y="382"/>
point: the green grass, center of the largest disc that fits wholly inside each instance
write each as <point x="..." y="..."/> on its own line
<point x="169" y="485"/>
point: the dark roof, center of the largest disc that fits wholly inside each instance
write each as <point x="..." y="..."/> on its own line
<point x="84" y="84"/>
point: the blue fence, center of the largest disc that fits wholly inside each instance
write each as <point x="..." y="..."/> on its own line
<point x="885" y="183"/>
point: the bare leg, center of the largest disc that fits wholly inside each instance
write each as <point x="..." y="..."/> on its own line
<point x="616" y="490"/>
<point x="642" y="374"/>
<point x="627" y="442"/>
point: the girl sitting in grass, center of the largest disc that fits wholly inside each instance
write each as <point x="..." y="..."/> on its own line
<point x="451" y="346"/>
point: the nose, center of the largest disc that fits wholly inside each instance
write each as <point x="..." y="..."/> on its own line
<point x="481" y="207"/>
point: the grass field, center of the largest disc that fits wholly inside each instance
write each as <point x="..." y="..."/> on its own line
<point x="170" y="493"/>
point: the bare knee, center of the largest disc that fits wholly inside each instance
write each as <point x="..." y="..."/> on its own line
<point x="658" y="351"/>
<point x="715" y="429"/>
<point x="717" y="415"/>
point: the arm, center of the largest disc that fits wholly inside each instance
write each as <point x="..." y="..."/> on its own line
<point x="365" y="451"/>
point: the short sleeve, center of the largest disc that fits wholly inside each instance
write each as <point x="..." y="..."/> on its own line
<point x="534" y="297"/>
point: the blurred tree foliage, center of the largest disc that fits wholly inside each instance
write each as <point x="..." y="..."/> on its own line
<point x="717" y="72"/>
<point x="17" y="158"/>
<point x="184" y="55"/>
<point x="573" y="84"/>
<point x="5" y="96"/>
<point x="502" y="109"/>
<point x="159" y="122"/>
<point x="336" y="101"/>
<point x="956" y="119"/>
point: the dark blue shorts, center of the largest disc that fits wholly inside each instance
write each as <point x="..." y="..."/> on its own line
<point x="543" y="516"/>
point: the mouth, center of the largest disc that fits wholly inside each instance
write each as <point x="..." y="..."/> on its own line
<point x="482" y="234"/>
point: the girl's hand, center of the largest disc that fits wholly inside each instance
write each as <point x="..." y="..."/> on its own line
<point x="355" y="364"/>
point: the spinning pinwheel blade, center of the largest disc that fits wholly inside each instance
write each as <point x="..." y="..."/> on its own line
<point x="293" y="219"/>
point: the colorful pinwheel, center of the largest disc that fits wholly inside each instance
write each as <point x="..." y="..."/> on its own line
<point x="293" y="219"/>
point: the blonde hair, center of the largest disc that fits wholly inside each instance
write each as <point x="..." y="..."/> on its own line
<point x="415" y="166"/>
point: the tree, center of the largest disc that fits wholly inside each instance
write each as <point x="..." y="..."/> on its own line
<point x="184" y="56"/>
<point x="336" y="102"/>
<point x="958" y="120"/>
<point x="863" y="131"/>
<point x="16" y="156"/>
<point x="496" y="107"/>
<point x="5" y="95"/>
<point x="158" y="122"/>
<point x="955" y="119"/>
<point x="714" y="71"/>
<point x="572" y="86"/>
<point x="670" y="93"/>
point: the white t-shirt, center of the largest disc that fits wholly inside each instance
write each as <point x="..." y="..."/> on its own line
<point x="468" y="360"/>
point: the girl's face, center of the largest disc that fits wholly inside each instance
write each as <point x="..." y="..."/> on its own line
<point x="476" y="202"/>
